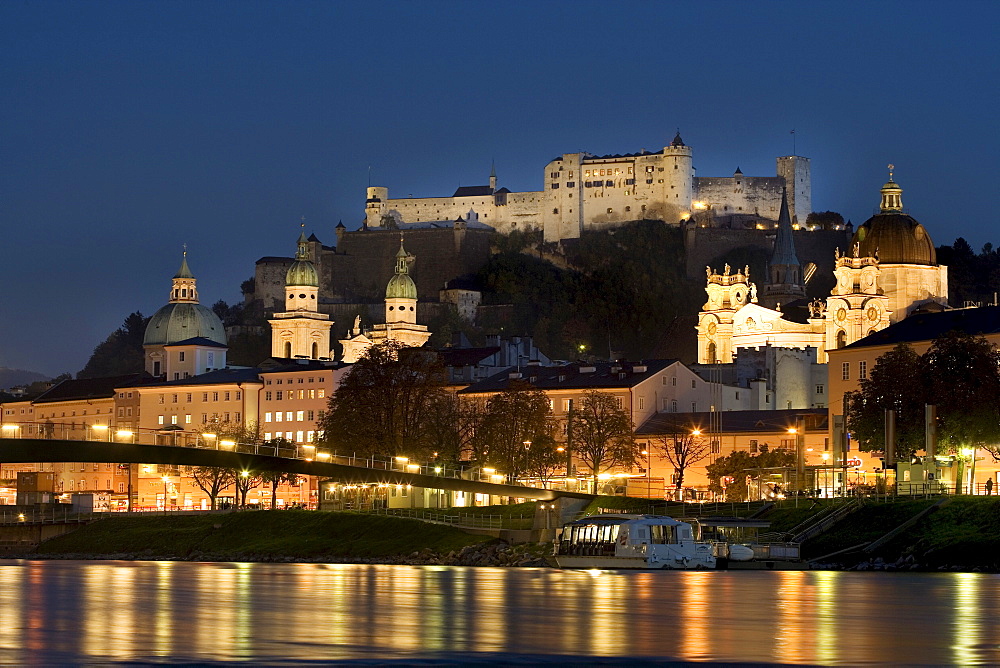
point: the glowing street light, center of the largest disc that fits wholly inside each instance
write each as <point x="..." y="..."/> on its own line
<point x="124" y="434"/>
<point x="696" y="432"/>
<point x="227" y="444"/>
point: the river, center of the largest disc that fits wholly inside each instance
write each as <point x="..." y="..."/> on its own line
<point x="66" y="612"/>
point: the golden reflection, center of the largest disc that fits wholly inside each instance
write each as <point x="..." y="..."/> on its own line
<point x="11" y="607"/>
<point x="791" y="635"/>
<point x="694" y="614"/>
<point x="825" y="602"/>
<point x="966" y="629"/>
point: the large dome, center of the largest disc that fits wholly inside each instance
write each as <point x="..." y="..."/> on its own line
<point x="893" y="236"/>
<point x="181" y="321"/>
<point x="897" y="238"/>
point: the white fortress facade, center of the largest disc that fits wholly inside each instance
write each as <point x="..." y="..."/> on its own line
<point x="587" y="192"/>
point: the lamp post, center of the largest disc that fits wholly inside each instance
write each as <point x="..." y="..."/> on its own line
<point x="527" y="458"/>
<point x="649" y="482"/>
<point x="165" y="480"/>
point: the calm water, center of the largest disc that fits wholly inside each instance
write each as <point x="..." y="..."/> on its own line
<point x="60" y="612"/>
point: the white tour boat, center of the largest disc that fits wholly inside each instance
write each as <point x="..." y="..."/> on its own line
<point x="635" y="541"/>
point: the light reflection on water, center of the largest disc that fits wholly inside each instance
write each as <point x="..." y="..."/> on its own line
<point x="61" y="611"/>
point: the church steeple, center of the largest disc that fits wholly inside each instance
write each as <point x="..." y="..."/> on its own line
<point x="184" y="289"/>
<point x="785" y="271"/>
<point x="892" y="195"/>
<point x="493" y="176"/>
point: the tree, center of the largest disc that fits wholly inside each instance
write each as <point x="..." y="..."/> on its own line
<point x="603" y="436"/>
<point x="245" y="481"/>
<point x="896" y="382"/>
<point x="275" y="480"/>
<point x="383" y="405"/>
<point x="515" y="430"/>
<point x="962" y="377"/>
<point x="826" y="220"/>
<point x="683" y="448"/>
<point x="741" y="466"/>
<point x="121" y="353"/>
<point x="212" y="480"/>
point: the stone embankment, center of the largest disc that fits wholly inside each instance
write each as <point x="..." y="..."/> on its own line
<point x="492" y="553"/>
<point x="903" y="564"/>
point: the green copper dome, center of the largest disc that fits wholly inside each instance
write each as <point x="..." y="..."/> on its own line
<point x="401" y="286"/>
<point x="302" y="273"/>
<point x="180" y="321"/>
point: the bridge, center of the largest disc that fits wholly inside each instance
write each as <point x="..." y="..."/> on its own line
<point x="302" y="460"/>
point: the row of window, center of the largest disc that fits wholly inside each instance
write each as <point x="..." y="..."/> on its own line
<point x="290" y="416"/>
<point x="278" y="381"/>
<point x="225" y="417"/>
<point x="297" y="436"/>
<point x="174" y="398"/>
<point x="291" y="394"/>
<point x="845" y="371"/>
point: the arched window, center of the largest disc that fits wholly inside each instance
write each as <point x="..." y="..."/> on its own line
<point x="315" y="350"/>
<point x="711" y="352"/>
<point x="288" y="348"/>
<point x="841" y="339"/>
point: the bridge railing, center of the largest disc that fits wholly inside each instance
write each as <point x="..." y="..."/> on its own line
<point x="177" y="436"/>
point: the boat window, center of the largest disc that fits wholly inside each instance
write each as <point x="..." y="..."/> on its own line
<point x="642" y="533"/>
<point x="662" y="534"/>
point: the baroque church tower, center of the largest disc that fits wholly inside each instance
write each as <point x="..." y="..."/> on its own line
<point x="400" y="315"/>
<point x="786" y="284"/>
<point x="301" y="330"/>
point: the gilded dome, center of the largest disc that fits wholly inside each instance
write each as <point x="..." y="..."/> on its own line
<point x="180" y="321"/>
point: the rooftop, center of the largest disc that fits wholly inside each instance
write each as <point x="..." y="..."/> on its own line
<point x="576" y="376"/>
<point x="88" y="388"/>
<point x="928" y="326"/>
<point x="735" y="421"/>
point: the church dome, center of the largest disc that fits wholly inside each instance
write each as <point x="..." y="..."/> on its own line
<point x="401" y="286"/>
<point x="893" y="236"/>
<point x="180" y="321"/>
<point x="302" y="273"/>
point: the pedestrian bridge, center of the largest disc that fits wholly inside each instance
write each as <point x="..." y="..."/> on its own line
<point x="302" y="460"/>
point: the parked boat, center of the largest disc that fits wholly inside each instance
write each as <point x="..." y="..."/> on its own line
<point x="637" y="541"/>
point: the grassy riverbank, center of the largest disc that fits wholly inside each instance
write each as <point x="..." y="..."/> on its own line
<point x="259" y="535"/>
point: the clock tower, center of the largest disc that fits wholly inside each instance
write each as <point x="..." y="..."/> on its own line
<point x="857" y="305"/>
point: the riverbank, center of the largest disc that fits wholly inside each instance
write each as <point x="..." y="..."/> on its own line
<point x="283" y="536"/>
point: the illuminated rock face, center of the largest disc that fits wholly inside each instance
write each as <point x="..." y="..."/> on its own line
<point x="581" y="192"/>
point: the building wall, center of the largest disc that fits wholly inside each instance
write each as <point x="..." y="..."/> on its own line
<point x="193" y="407"/>
<point x="297" y="398"/>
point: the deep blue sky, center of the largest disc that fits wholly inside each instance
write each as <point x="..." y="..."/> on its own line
<point x="128" y="129"/>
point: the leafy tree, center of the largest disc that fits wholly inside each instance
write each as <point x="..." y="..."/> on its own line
<point x="603" y="435"/>
<point x="246" y="481"/>
<point x="275" y="479"/>
<point x="896" y="382"/>
<point x="739" y="466"/>
<point x="683" y="449"/>
<point x="121" y="353"/>
<point x="962" y="375"/>
<point x="515" y="430"/>
<point x="212" y="480"/>
<point x="384" y="404"/>
<point x="826" y="220"/>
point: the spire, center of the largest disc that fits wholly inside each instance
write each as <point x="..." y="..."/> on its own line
<point x="784" y="244"/>
<point x="493" y="175"/>
<point x="401" y="256"/>
<point x="303" y="244"/>
<point x="184" y="271"/>
<point x="677" y="139"/>
<point x="892" y="195"/>
<point x="184" y="287"/>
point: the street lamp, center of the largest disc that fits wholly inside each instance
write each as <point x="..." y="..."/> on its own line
<point x="165" y="480"/>
<point x="649" y="482"/>
<point x="101" y="428"/>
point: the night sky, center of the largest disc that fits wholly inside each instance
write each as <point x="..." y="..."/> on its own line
<point x="128" y="129"/>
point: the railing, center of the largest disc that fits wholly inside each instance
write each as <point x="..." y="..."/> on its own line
<point x="34" y="516"/>
<point x="300" y="451"/>
<point x="464" y="520"/>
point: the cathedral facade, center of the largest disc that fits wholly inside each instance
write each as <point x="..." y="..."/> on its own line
<point x="588" y="192"/>
<point x="890" y="271"/>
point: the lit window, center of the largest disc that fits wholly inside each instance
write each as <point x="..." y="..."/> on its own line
<point x="267" y="417"/>
<point x="300" y="416"/>
<point x="187" y="419"/>
<point x="160" y="419"/>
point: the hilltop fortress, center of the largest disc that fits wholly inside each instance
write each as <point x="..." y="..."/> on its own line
<point x="588" y="192"/>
